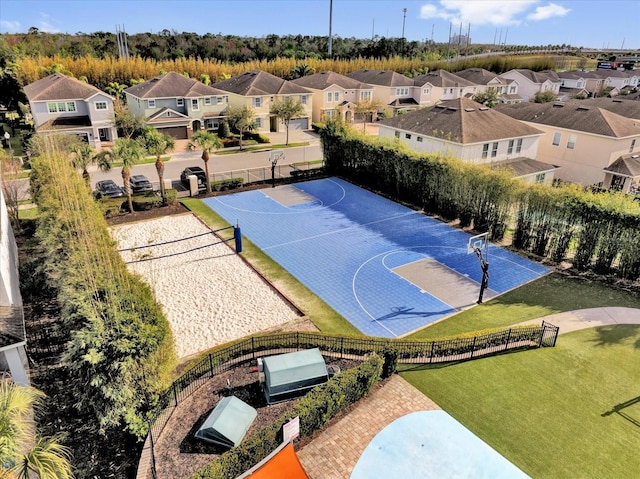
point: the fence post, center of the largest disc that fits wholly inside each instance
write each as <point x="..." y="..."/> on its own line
<point x="175" y="394"/>
<point x="253" y="348"/>
<point x="342" y="348"/>
<point x="506" y="346"/>
<point x="298" y="340"/>
<point x="433" y="343"/>
<point x="473" y="346"/>
<point x="210" y="366"/>
<point x="542" y="328"/>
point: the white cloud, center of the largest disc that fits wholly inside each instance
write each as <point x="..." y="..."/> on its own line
<point x="48" y="28"/>
<point x="479" y="12"/>
<point x="548" y="11"/>
<point x="9" y="26"/>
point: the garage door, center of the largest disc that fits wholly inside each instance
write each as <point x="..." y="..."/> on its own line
<point x="177" y="132"/>
<point x="299" y="124"/>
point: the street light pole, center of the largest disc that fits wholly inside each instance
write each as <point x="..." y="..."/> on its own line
<point x="404" y="17"/>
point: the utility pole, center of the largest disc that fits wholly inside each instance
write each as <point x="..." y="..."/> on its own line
<point x="373" y="29"/>
<point x="505" y="37"/>
<point x="330" y="18"/>
<point x="404" y="17"/>
<point x="449" y="44"/>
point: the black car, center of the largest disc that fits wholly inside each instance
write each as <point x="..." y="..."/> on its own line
<point x="198" y="172"/>
<point x="140" y="184"/>
<point x="108" y="189"/>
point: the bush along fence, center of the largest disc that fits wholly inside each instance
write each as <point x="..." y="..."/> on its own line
<point x="593" y="231"/>
<point x="393" y="350"/>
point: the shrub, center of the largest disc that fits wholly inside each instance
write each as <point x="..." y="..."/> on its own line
<point x="146" y="201"/>
<point x="259" y="137"/>
<point x="227" y="184"/>
<point x="317" y="126"/>
<point x="111" y="206"/>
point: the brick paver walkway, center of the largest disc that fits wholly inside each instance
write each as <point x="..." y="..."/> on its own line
<point x="334" y="453"/>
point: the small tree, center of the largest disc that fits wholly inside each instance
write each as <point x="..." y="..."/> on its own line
<point x="489" y="97"/>
<point x="544" y="97"/>
<point x="241" y="119"/>
<point x="158" y="144"/>
<point x="131" y="125"/>
<point x="84" y="155"/>
<point x="223" y="129"/>
<point x="128" y="152"/>
<point x="366" y="107"/>
<point x="287" y="109"/>
<point x="207" y="142"/>
<point x="300" y="71"/>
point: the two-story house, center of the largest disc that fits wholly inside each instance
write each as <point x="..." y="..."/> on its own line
<point x="474" y="133"/>
<point x="530" y="82"/>
<point x="584" y="140"/>
<point x="506" y="90"/>
<point x="394" y="91"/>
<point x="440" y="85"/>
<point x="259" y="90"/>
<point x="176" y="105"/>
<point x="61" y="104"/>
<point x="619" y="80"/>
<point x="13" y="357"/>
<point x="334" y="94"/>
<point x="576" y="84"/>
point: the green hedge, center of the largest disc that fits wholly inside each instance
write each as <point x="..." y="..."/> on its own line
<point x="227" y="184"/>
<point x="315" y="410"/>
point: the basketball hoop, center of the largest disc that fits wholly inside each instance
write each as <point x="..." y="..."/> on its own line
<point x="479" y="245"/>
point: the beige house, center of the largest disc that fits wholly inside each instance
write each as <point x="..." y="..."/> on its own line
<point x="393" y="90"/>
<point x="506" y="90"/>
<point x="259" y="90"/>
<point x="578" y="80"/>
<point x="474" y="133"/>
<point x="334" y="94"/>
<point x="530" y="82"/>
<point x="586" y="141"/>
<point x="441" y="85"/>
<point x="176" y="105"/>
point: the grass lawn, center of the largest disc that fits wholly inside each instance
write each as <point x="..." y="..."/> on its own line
<point x="554" y="412"/>
<point x="550" y="294"/>
<point x="146" y="161"/>
<point x="28" y="214"/>
<point x="266" y="146"/>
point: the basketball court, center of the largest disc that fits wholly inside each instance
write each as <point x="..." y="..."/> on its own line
<point x="387" y="269"/>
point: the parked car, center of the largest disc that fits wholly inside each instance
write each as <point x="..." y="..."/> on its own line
<point x="198" y="172"/>
<point x="140" y="184"/>
<point x="108" y="189"/>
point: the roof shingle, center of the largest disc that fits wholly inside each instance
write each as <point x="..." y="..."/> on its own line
<point x="259" y="83"/>
<point x="59" y="87"/>
<point x="172" y="85"/>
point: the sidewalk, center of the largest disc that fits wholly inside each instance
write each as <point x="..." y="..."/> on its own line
<point x="590" y="318"/>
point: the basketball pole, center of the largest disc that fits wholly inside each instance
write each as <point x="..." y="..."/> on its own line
<point x="484" y="265"/>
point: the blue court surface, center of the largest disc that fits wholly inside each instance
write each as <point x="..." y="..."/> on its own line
<point x="353" y="248"/>
<point x="431" y="445"/>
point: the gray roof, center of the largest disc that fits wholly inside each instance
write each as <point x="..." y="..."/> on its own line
<point x="573" y="74"/>
<point x="519" y="167"/>
<point x="442" y="78"/>
<point x="480" y="76"/>
<point x="59" y="87"/>
<point x="618" y="105"/>
<point x="575" y="115"/>
<point x="462" y="121"/>
<point x="172" y="85"/>
<point x="259" y="83"/>
<point x="381" y="77"/>
<point x="323" y="80"/>
<point x="539" y="77"/>
<point x="66" y="123"/>
<point x="626" y="165"/>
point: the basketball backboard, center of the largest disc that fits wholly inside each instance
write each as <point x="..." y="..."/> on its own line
<point x="478" y="242"/>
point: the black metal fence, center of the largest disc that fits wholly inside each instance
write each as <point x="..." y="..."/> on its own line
<point x="421" y="352"/>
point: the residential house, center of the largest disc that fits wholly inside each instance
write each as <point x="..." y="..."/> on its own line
<point x="575" y="82"/>
<point x="619" y="80"/>
<point x="584" y="140"/>
<point x="506" y="90"/>
<point x="530" y="82"/>
<point x="176" y="105"/>
<point x="13" y="357"/>
<point x="334" y="94"/>
<point x="259" y="90"/>
<point x="619" y="105"/>
<point x="61" y="104"/>
<point x="439" y="85"/>
<point x="472" y="132"/>
<point x="394" y="91"/>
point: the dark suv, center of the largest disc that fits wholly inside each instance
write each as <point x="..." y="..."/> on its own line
<point x="198" y="172"/>
<point x="140" y="184"/>
<point x="108" y="189"/>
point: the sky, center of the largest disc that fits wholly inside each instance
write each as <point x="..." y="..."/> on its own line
<point x="611" y="24"/>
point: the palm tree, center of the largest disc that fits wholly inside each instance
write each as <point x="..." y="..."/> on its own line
<point x="286" y="109"/>
<point x="300" y="71"/>
<point x="241" y="119"/>
<point x="22" y="451"/>
<point x="207" y="142"/>
<point x="83" y="156"/>
<point x="128" y="152"/>
<point x="158" y="144"/>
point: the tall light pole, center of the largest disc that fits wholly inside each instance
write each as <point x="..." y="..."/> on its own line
<point x="404" y="17"/>
<point x="330" y="17"/>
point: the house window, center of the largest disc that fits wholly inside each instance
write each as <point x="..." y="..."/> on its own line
<point x="461" y="90"/>
<point x="71" y="106"/>
<point x="451" y="90"/>
<point x="556" y="139"/>
<point x="179" y="101"/>
<point x="571" y="142"/>
<point x="407" y="136"/>
<point x="397" y="134"/>
<point x="258" y="123"/>
<point x="633" y="145"/>
<point x="304" y="99"/>
<point x="402" y="91"/>
<point x="151" y="103"/>
<point x="195" y="104"/>
<point x="207" y="101"/>
<point x="419" y="139"/>
<point x="330" y="96"/>
<point x="365" y="95"/>
<point x="257" y="102"/>
<point x="336" y="96"/>
<point x="101" y="105"/>
<point x="512" y="89"/>
<point x="52" y="107"/>
<point x="62" y="106"/>
<point x="212" y="124"/>
<point x="510" y="148"/>
<point x="540" y="177"/>
<point x="519" y="145"/>
<point x="425" y="91"/>
<point x="494" y="150"/>
<point x="485" y="150"/>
